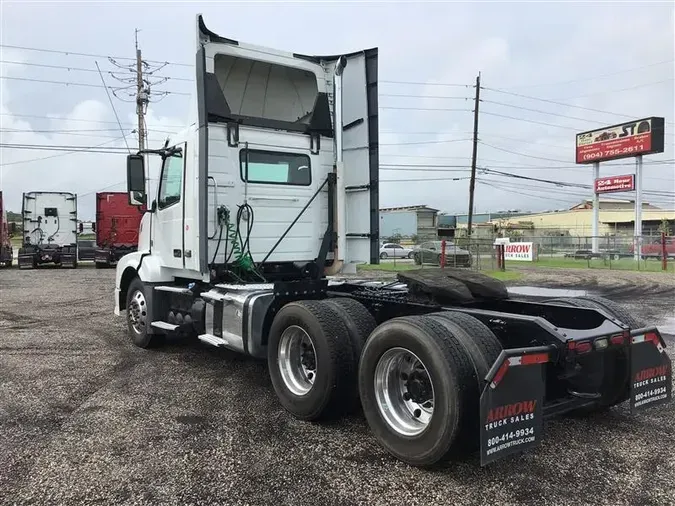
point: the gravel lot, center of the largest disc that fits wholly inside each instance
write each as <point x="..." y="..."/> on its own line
<point x="85" y="417"/>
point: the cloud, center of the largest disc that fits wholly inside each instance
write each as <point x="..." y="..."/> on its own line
<point x="544" y="50"/>
<point x="82" y="151"/>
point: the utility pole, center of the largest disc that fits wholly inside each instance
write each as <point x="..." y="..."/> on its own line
<point x="141" y="96"/>
<point x="472" y="184"/>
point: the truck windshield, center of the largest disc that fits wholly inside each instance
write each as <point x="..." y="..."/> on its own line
<point x="275" y="167"/>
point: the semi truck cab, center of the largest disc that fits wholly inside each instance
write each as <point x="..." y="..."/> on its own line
<point x="269" y="193"/>
<point x="261" y="154"/>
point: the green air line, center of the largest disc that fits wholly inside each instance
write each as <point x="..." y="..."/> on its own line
<point x="241" y="259"/>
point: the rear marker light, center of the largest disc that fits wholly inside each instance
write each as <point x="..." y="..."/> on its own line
<point x="616" y="340"/>
<point x="601" y="344"/>
<point x="584" y="347"/>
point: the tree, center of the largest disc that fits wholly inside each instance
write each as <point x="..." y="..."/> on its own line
<point x="665" y="227"/>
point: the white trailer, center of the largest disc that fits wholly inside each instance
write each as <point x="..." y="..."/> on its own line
<point x="49" y="230"/>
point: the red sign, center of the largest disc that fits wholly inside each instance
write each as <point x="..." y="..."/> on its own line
<point x="615" y="184"/>
<point x="641" y="137"/>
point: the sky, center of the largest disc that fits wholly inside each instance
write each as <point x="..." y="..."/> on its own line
<point x="602" y="63"/>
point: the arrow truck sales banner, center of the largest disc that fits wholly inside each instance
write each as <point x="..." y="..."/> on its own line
<point x="523" y="251"/>
<point x="615" y="184"/>
<point x="640" y="137"/>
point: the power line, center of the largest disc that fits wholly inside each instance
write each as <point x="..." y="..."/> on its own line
<point x="88" y="121"/>
<point x="418" y="179"/>
<point x="114" y="110"/>
<point x="528" y="140"/>
<point x="86" y="85"/>
<point x="81" y="69"/>
<point x="439" y="109"/>
<point x="418" y="83"/>
<point x="602" y="76"/>
<point x="57" y="155"/>
<point x="529" y="97"/>
<point x="524" y="154"/>
<point x="37" y="147"/>
<point x="542" y="112"/>
<point x="529" y="121"/>
<point x="58" y="131"/>
<point x="654" y="83"/>
<point x="88" y="55"/>
<point x="443" y="141"/>
<point x="405" y="95"/>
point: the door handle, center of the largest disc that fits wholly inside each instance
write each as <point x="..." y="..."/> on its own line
<point x="177" y="253"/>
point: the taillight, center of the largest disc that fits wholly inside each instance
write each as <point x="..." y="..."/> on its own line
<point x="617" y="340"/>
<point x="579" y="346"/>
<point x="583" y="347"/>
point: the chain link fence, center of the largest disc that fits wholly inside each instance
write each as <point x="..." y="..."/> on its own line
<point x="612" y="252"/>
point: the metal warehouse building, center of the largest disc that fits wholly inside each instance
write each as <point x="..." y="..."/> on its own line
<point x="617" y="217"/>
<point x="420" y="221"/>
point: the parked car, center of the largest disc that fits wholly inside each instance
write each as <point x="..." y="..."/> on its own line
<point x="652" y="248"/>
<point x="430" y="252"/>
<point x="393" y="250"/>
<point x="86" y="249"/>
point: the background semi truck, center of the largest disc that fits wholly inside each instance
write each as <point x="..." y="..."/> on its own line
<point x="271" y="193"/>
<point x="6" y="253"/>
<point x="117" y="225"/>
<point x="49" y="229"/>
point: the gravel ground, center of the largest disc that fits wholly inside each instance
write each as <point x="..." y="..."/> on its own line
<point x="85" y="417"/>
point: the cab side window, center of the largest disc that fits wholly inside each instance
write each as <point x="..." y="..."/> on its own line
<point x="171" y="183"/>
<point x="270" y="167"/>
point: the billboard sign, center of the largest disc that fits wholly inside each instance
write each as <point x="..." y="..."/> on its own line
<point x="615" y="184"/>
<point x="523" y="251"/>
<point x="640" y="137"/>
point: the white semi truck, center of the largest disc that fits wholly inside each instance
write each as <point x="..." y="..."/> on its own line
<point x="49" y="230"/>
<point x="270" y="193"/>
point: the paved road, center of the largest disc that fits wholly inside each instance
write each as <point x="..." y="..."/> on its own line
<point x="86" y="418"/>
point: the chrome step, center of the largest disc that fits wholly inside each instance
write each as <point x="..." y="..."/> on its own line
<point x="164" y="325"/>
<point x="212" y="340"/>
<point x="173" y="289"/>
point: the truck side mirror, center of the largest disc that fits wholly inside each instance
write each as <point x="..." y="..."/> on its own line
<point x="81" y="227"/>
<point x="12" y="228"/>
<point x="93" y="227"/>
<point x="136" y="180"/>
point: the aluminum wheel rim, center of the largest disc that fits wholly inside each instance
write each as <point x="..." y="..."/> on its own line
<point x="137" y="312"/>
<point x="404" y="392"/>
<point x="297" y="360"/>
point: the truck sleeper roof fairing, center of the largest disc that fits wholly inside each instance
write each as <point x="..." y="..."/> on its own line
<point x="242" y="85"/>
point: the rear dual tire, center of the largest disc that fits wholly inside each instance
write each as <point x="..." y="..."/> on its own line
<point x="311" y="360"/>
<point x="313" y="355"/>
<point x="432" y="416"/>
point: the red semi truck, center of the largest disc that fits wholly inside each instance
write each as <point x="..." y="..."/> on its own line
<point x="6" y="253"/>
<point x="117" y="225"/>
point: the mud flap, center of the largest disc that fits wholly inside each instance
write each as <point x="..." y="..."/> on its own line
<point x="512" y="403"/>
<point x="651" y="370"/>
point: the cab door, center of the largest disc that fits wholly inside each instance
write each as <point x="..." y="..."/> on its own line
<point x="167" y="223"/>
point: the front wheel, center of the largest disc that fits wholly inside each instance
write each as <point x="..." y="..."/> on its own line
<point x="418" y="259"/>
<point x="411" y="255"/>
<point x="383" y="255"/>
<point x="137" y="316"/>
